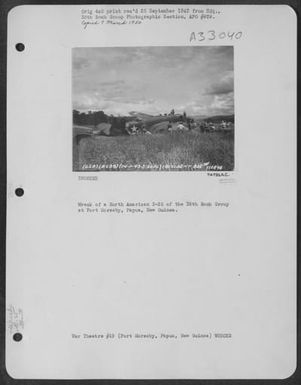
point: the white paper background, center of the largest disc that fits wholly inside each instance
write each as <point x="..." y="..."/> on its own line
<point x="177" y="273"/>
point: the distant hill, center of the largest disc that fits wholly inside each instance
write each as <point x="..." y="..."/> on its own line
<point x="197" y="117"/>
<point x="140" y="115"/>
<point x="219" y="118"/>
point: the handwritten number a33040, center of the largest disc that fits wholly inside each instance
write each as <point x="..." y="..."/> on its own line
<point x="213" y="35"/>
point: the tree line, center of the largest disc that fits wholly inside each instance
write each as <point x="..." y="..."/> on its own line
<point x="93" y="118"/>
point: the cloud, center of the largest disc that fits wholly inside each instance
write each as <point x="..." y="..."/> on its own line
<point x="224" y="86"/>
<point x="80" y="63"/>
<point x="222" y="104"/>
<point x="153" y="79"/>
<point x="112" y="83"/>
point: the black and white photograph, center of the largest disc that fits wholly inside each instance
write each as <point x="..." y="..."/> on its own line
<point x="153" y="108"/>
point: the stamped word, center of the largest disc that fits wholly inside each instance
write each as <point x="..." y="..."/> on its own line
<point x="15" y="320"/>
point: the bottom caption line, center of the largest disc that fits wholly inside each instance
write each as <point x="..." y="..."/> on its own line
<point x="150" y="336"/>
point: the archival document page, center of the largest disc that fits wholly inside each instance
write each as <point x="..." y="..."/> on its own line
<point x="151" y="192"/>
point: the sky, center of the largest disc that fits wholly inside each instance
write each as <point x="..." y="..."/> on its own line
<point x="154" y="80"/>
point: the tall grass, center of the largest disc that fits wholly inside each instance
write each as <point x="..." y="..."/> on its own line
<point x="180" y="148"/>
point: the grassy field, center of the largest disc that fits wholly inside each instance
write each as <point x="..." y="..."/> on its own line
<point x="176" y="148"/>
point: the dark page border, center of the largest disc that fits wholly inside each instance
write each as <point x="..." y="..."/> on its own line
<point x="5" y="379"/>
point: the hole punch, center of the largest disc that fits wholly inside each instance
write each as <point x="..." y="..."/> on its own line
<point x="20" y="47"/>
<point x="17" y="337"/>
<point x="19" y="192"/>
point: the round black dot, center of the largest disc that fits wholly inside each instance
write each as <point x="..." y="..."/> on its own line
<point x="19" y="192"/>
<point x="20" y="47"/>
<point x="17" y="337"/>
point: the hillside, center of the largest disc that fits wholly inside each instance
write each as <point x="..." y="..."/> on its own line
<point x="219" y="118"/>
